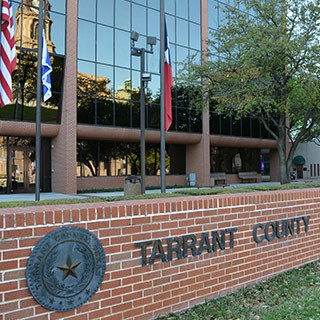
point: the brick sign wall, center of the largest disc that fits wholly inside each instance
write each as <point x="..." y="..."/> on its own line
<point x="166" y="255"/>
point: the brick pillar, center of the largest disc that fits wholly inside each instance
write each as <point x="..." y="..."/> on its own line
<point x="198" y="155"/>
<point x="64" y="153"/>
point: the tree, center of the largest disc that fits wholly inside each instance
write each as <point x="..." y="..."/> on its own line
<point x="264" y="62"/>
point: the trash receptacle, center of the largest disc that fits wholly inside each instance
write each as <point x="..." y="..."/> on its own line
<point x="132" y="186"/>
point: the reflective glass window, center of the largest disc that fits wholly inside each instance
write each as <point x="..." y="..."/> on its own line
<point x="154" y="4"/>
<point x="122" y="83"/>
<point x="195" y="36"/>
<point x="57" y="32"/>
<point x="86" y="40"/>
<point x="24" y="77"/>
<point x="105" y="12"/>
<point x="122" y="48"/>
<point x="105" y="44"/>
<point x="140" y="1"/>
<point x="122" y="14"/>
<point x="194" y="11"/>
<point x="169" y="6"/>
<point x="58" y="6"/>
<point x="182" y="55"/>
<point x="182" y="8"/>
<point x="154" y="23"/>
<point x="213" y="19"/>
<point x="87" y="9"/>
<point x="138" y="24"/>
<point x="182" y="32"/>
<point x="105" y="75"/>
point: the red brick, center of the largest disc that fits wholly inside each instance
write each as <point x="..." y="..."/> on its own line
<point x="43" y="230"/>
<point x="20" y="220"/>
<point x="75" y="216"/>
<point x="22" y="314"/>
<point x="17" y="233"/>
<point x="15" y="254"/>
<point x="102" y="314"/>
<point x="9" y="306"/>
<point x="66" y="216"/>
<point x="57" y="216"/>
<point x="39" y="218"/>
<point x="8" y="244"/>
<point x="17" y="295"/>
<point x="14" y="275"/>
<point x="10" y="221"/>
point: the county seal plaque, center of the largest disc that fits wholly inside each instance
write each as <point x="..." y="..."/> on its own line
<point x="65" y="268"/>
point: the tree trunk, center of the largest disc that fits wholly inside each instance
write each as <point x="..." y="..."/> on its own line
<point x="282" y="150"/>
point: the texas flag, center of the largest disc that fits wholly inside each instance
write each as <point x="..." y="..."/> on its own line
<point x="168" y="81"/>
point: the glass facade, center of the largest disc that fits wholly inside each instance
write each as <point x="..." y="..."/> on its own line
<point x="108" y="88"/>
<point x="234" y="160"/>
<point x="102" y="158"/>
<point x="24" y="77"/>
<point x="109" y="76"/>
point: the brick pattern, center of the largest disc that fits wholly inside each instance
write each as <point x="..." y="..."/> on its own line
<point x="130" y="291"/>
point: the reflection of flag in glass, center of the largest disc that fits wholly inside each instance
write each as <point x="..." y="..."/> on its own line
<point x="46" y="70"/>
<point x="7" y="53"/>
<point x="168" y="81"/>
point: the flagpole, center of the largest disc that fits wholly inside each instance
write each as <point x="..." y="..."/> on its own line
<point x="162" y="112"/>
<point x="39" y="98"/>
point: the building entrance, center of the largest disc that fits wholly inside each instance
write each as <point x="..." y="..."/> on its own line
<point x="22" y="169"/>
<point x="18" y="165"/>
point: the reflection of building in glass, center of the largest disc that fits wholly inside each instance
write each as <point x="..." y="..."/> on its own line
<point x="90" y="127"/>
<point x="26" y="32"/>
<point x="124" y="92"/>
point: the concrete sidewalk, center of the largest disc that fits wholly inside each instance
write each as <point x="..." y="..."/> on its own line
<point x="10" y="197"/>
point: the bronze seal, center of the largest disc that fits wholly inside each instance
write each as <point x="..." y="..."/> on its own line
<point x="65" y="268"/>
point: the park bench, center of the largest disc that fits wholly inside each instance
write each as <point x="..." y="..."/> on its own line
<point x="248" y="176"/>
<point x="218" y="178"/>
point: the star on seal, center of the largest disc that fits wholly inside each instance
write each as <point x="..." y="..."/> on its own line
<point x="69" y="268"/>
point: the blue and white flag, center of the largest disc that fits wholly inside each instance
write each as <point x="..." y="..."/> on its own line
<point x="46" y="70"/>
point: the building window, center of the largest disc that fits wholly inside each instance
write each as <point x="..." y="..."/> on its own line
<point x="108" y="73"/>
<point x="105" y="158"/>
<point x="234" y="160"/>
<point x="24" y="77"/>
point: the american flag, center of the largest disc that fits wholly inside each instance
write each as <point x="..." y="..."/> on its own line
<point x="7" y="53"/>
<point x="168" y="81"/>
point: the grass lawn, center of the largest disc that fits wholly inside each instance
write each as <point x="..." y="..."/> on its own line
<point x="294" y="295"/>
<point x="179" y="193"/>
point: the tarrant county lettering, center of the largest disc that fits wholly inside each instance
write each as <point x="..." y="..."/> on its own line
<point x="279" y="229"/>
<point x="186" y="244"/>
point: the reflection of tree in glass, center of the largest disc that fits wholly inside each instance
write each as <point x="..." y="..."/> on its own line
<point x="90" y="89"/>
<point x="87" y="155"/>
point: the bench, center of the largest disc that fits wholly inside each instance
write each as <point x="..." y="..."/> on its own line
<point x="248" y="176"/>
<point x="218" y="177"/>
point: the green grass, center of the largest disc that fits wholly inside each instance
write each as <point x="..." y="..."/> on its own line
<point x="178" y="193"/>
<point x="294" y="295"/>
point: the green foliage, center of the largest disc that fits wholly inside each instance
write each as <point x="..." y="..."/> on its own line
<point x="264" y="64"/>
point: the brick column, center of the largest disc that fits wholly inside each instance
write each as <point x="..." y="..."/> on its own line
<point x="198" y="155"/>
<point x="64" y="151"/>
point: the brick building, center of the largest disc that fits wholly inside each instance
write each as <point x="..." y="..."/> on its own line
<point x="90" y="126"/>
